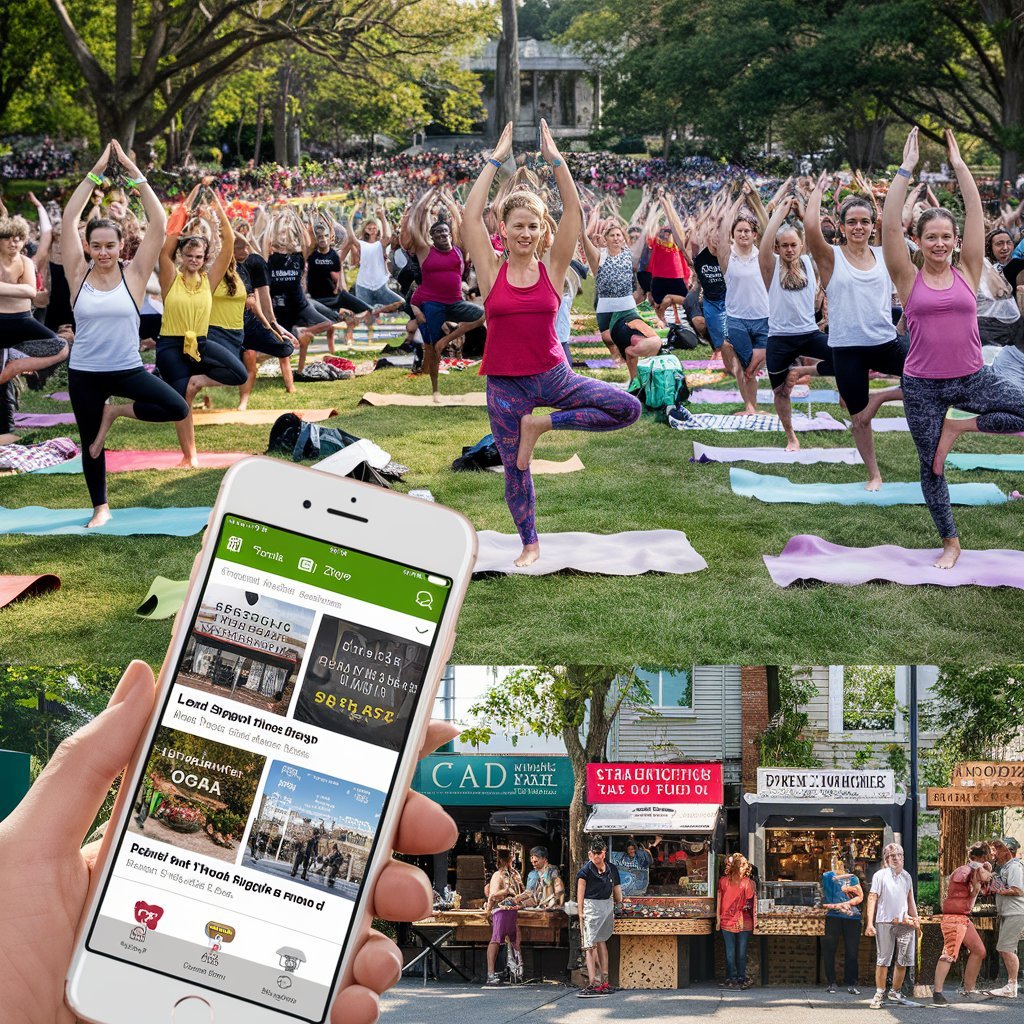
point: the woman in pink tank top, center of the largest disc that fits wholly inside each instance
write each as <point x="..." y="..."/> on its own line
<point x="523" y="360"/>
<point x="944" y="367"/>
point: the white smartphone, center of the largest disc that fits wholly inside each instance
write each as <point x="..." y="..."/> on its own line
<point x="262" y="802"/>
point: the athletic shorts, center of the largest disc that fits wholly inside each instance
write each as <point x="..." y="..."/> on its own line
<point x="503" y="924"/>
<point x="900" y="939"/>
<point x="149" y="325"/>
<point x="661" y="287"/>
<point x="375" y="297"/>
<point x="746" y="335"/>
<point x="714" y="318"/>
<point x="783" y="350"/>
<point x="1011" y="932"/>
<point x="853" y="363"/>
<point x="643" y="278"/>
<point x="257" y="338"/>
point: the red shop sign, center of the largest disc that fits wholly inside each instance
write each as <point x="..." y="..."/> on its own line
<point x="617" y="783"/>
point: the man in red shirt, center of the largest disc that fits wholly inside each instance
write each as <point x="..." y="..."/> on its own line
<point x="965" y="885"/>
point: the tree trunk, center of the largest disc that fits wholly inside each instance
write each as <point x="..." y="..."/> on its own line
<point x="280" y="113"/>
<point x="1011" y="44"/>
<point x="666" y="142"/>
<point x="294" y="144"/>
<point x="865" y="141"/>
<point x="506" y="78"/>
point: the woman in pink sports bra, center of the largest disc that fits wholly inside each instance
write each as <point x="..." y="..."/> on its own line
<point x="523" y="360"/>
<point x="944" y="367"/>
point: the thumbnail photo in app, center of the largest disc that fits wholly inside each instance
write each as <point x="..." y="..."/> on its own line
<point x="314" y="829"/>
<point x="361" y="682"/>
<point x="196" y="794"/>
<point x="246" y="646"/>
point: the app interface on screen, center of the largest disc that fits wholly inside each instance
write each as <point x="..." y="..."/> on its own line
<point x="271" y="767"/>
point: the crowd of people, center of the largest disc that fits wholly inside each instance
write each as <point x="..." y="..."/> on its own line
<point x="842" y="276"/>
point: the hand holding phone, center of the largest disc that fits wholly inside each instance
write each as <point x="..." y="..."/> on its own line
<point x="239" y="873"/>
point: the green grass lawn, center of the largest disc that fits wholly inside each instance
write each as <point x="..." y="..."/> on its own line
<point x="636" y="479"/>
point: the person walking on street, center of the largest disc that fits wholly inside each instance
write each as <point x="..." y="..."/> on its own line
<point x="598" y="891"/>
<point x="893" y="922"/>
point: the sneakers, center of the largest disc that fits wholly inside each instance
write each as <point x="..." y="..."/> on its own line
<point x="938" y="999"/>
<point x="832" y="990"/>
<point x="587" y="993"/>
<point x="876" y="1002"/>
<point x="1006" y="992"/>
<point x="603" y="988"/>
<point x="899" y="997"/>
<point x="853" y="990"/>
<point x="493" y="981"/>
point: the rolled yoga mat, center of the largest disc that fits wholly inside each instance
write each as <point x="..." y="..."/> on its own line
<point x="133" y="461"/>
<point x="14" y="588"/>
<point x="167" y="522"/>
<point x="545" y="467"/>
<point x="769" y="456"/>
<point x="708" y="396"/>
<point x="1001" y="463"/>
<point x="616" y="554"/>
<point x="472" y="398"/>
<point x="773" y="489"/>
<point x="164" y="599"/>
<point x="807" y="557"/>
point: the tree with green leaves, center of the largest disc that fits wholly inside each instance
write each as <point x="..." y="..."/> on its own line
<point x="577" y="703"/>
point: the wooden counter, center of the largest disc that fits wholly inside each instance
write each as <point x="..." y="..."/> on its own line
<point x="810" y="922"/>
<point x="664" y="926"/>
<point x="542" y="927"/>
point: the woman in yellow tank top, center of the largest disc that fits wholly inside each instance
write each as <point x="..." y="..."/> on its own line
<point x="187" y="359"/>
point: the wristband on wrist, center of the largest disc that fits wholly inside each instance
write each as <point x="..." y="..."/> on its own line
<point x="94" y="178"/>
<point x="491" y="160"/>
<point x="137" y="181"/>
<point x="904" y="172"/>
<point x="556" y="162"/>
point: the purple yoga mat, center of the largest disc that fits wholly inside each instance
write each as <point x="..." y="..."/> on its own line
<point x="807" y="557"/>
<point x="599" y="364"/>
<point x="43" y="419"/>
<point x="61" y="396"/>
<point x="703" y="364"/>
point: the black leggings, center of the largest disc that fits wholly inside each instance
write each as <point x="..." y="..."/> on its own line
<point x="153" y="401"/>
<point x="853" y="364"/>
<point x="258" y="338"/>
<point x="847" y="928"/>
<point x="343" y="300"/>
<point x="215" y="361"/>
<point x="25" y="333"/>
<point x="784" y="349"/>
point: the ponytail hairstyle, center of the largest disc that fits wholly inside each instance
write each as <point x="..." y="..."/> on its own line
<point x="527" y="199"/>
<point x="231" y="277"/>
<point x="792" y="276"/>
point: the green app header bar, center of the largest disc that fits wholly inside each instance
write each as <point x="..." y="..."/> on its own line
<point x="332" y="567"/>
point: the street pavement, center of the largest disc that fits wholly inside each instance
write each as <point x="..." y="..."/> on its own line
<point x="410" y="1002"/>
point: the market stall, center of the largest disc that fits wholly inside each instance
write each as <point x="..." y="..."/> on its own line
<point x="499" y="802"/>
<point x="799" y="824"/>
<point x="665" y="832"/>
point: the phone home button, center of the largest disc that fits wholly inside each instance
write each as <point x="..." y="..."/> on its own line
<point x="192" y="1010"/>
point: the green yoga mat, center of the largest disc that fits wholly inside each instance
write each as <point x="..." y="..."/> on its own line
<point x="769" y="488"/>
<point x="1002" y="463"/>
<point x="164" y="599"/>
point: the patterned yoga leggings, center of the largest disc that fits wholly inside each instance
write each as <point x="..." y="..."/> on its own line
<point x="582" y="403"/>
<point x="999" y="401"/>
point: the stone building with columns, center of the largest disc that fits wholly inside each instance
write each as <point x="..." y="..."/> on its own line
<point x="554" y="83"/>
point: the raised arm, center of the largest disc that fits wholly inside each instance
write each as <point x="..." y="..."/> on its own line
<point x="25" y="286"/>
<point x="824" y="256"/>
<point x="894" y="247"/>
<point x="972" y="246"/>
<point x="571" y="224"/>
<point x="385" y="226"/>
<point x="175" y="224"/>
<point x="673" y="221"/>
<point x="766" y="251"/>
<point x="725" y="232"/>
<point x="474" y="230"/>
<point x="70" y="240"/>
<point x="45" y="233"/>
<point x="227" y="243"/>
<point x="753" y="198"/>
<point x="141" y="267"/>
<point x="591" y="251"/>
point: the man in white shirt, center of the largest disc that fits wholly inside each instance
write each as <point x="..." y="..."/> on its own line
<point x="893" y="920"/>
<point x="1010" y="908"/>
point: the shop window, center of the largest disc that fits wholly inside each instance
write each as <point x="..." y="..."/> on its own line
<point x="670" y="691"/>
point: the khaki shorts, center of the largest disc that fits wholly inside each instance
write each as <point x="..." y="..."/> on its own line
<point x="900" y="939"/>
<point x="1011" y="931"/>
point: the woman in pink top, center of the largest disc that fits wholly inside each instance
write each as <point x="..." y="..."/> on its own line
<point x="523" y="360"/>
<point x="736" y="918"/>
<point x="944" y="367"/>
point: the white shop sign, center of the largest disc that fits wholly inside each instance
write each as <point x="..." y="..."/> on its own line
<point x="822" y="785"/>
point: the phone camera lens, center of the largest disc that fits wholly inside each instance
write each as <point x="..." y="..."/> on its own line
<point x="353" y="501"/>
<point x="307" y="504"/>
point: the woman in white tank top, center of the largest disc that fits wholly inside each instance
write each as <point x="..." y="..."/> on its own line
<point x="105" y="358"/>
<point x="792" y="326"/>
<point x="746" y="301"/>
<point x="861" y="334"/>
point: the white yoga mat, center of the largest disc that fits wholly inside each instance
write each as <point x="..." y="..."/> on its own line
<point x="616" y="554"/>
<point x="773" y="456"/>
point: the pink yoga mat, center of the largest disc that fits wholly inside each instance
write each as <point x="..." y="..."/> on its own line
<point x="12" y="588"/>
<point x="127" y="461"/>
<point x="807" y="557"/>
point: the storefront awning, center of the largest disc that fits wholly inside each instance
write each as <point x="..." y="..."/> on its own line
<point x="657" y="818"/>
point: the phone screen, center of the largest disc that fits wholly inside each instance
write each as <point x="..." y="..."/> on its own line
<point x="271" y="768"/>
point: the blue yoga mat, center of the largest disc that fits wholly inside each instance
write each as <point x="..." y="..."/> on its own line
<point x="1004" y="463"/>
<point x="168" y="522"/>
<point x="779" y="489"/>
<point x="70" y="466"/>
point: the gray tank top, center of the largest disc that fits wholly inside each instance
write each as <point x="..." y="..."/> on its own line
<point x="106" y="329"/>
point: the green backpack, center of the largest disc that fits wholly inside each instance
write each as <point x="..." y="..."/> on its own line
<point x="660" y="384"/>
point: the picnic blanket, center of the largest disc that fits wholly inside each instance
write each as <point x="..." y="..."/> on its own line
<point x="30" y="458"/>
<point x="682" y="419"/>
